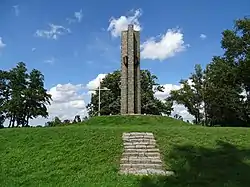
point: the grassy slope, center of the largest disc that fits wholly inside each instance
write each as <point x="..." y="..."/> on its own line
<point x="88" y="154"/>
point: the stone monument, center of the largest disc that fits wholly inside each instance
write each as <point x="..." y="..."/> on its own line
<point x="130" y="72"/>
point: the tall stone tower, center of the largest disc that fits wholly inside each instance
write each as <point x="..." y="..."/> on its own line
<point x="130" y="72"/>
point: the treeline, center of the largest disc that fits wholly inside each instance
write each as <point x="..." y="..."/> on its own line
<point x="22" y="96"/>
<point x="217" y="95"/>
<point x="220" y="94"/>
<point x="111" y="100"/>
<point x="58" y="122"/>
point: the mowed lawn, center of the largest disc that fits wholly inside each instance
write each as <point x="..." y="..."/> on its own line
<point x="88" y="154"/>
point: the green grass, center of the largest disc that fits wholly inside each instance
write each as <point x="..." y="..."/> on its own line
<point x="88" y="154"/>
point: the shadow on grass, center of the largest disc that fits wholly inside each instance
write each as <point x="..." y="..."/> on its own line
<point x="196" y="166"/>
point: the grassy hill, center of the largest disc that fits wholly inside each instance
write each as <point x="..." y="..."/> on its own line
<point x="88" y="154"/>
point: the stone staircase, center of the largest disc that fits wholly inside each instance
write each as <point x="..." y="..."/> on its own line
<point x="141" y="155"/>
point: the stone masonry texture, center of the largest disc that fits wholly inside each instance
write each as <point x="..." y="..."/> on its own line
<point x="130" y="72"/>
<point x="141" y="155"/>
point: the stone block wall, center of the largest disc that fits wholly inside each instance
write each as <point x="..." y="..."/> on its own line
<point x="130" y="72"/>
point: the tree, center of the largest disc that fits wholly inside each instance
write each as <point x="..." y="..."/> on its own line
<point x="110" y="100"/>
<point x="55" y="122"/>
<point x="191" y="94"/>
<point x="4" y="95"/>
<point x="36" y="97"/>
<point x="77" y="119"/>
<point x="236" y="43"/>
<point x="222" y="91"/>
<point x="222" y="94"/>
<point x="179" y="117"/>
<point x="66" y="121"/>
<point x="18" y="83"/>
<point x="22" y="95"/>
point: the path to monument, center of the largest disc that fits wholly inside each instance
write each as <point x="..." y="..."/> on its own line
<point x="141" y="155"/>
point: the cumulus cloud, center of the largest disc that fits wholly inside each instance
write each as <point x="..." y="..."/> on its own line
<point x="117" y="25"/>
<point x="169" y="44"/>
<point x="77" y="17"/>
<point x="178" y="109"/>
<point x="95" y="83"/>
<point x="53" y="32"/>
<point x="2" y="45"/>
<point x="68" y="101"/>
<point x="203" y="36"/>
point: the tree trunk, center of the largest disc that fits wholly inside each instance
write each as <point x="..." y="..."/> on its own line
<point x="10" y="121"/>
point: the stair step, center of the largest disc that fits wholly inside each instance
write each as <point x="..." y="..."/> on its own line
<point x="141" y="155"/>
<point x="141" y="166"/>
<point x="139" y="143"/>
<point x="140" y="140"/>
<point x="138" y="133"/>
<point x="139" y="147"/>
<point x="142" y="150"/>
<point x="146" y="172"/>
<point x="146" y="154"/>
<point x="144" y="160"/>
<point x="138" y="137"/>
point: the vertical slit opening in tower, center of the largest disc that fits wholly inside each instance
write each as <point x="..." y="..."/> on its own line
<point x="126" y="65"/>
<point x="135" y="76"/>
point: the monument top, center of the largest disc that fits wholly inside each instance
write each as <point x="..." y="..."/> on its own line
<point x="130" y="26"/>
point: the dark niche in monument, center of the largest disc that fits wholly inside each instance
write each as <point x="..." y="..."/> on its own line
<point x="130" y="72"/>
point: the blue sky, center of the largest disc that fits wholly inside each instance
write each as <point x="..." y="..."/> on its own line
<point x="81" y="46"/>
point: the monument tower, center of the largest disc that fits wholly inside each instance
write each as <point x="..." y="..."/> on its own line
<point x="130" y="72"/>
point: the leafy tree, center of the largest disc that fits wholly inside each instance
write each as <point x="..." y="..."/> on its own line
<point x="110" y="100"/>
<point x="18" y="83"/>
<point x="191" y="94"/>
<point x="55" y="122"/>
<point x="36" y="97"/>
<point x="222" y="91"/>
<point x="224" y="102"/>
<point x="4" y="95"/>
<point x="22" y="95"/>
<point x="66" y="121"/>
<point x="77" y="119"/>
<point x="179" y="117"/>
<point x="236" y="43"/>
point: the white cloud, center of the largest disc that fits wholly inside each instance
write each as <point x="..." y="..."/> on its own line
<point x="77" y="17"/>
<point x="95" y="83"/>
<point x="53" y="33"/>
<point x="2" y="45"/>
<point x="121" y="23"/>
<point x="68" y="101"/>
<point x="50" y="61"/>
<point x="166" y="91"/>
<point x="203" y="36"/>
<point x="178" y="109"/>
<point x="16" y="9"/>
<point x="170" y="43"/>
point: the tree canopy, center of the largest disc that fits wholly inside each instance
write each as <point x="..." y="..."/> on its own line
<point x="220" y="94"/>
<point x="110" y="100"/>
<point x="22" y="96"/>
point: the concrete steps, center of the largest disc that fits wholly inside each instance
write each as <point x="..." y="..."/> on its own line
<point x="141" y="155"/>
